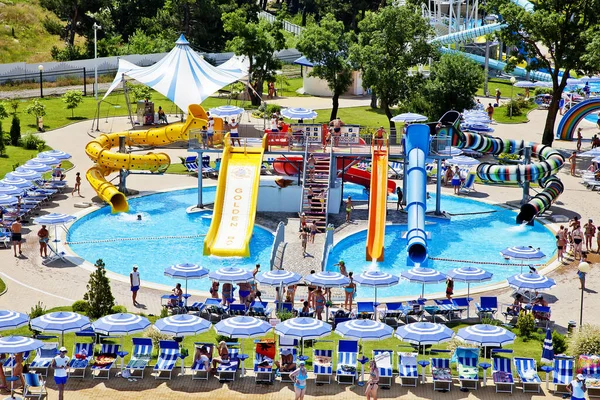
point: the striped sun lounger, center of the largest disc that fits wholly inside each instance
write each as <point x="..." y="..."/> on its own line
<point x="502" y="375"/>
<point x="199" y="370"/>
<point x="466" y="364"/>
<point x="441" y="374"/>
<point x="104" y="362"/>
<point x="323" y="365"/>
<point x="384" y="365"/>
<point x="43" y="358"/>
<point x="527" y="371"/>
<point x="227" y="372"/>
<point x="407" y="369"/>
<point x="168" y="354"/>
<point x="346" y="361"/>
<point x="141" y="355"/>
<point x="562" y="374"/>
<point x="82" y="354"/>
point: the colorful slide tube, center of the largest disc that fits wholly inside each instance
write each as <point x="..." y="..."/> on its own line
<point x="572" y="118"/>
<point x="543" y="171"/>
<point x="108" y="161"/>
<point x="377" y="204"/>
<point x="416" y="145"/>
<point x="235" y="202"/>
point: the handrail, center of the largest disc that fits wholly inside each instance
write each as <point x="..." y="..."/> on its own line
<point x="278" y="239"/>
<point x="304" y="172"/>
<point x="332" y="168"/>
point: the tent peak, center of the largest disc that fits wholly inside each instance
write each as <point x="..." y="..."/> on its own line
<point x="182" y="40"/>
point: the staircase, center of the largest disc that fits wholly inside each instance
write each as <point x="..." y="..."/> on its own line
<point x="315" y="210"/>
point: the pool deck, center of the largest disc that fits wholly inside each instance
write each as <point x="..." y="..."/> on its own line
<point x="28" y="281"/>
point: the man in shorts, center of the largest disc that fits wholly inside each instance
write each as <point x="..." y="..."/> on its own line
<point x="210" y="133"/>
<point x="16" y="236"/>
<point x="233" y="132"/>
<point x="337" y="130"/>
<point x="134" y="280"/>
<point x="60" y="363"/>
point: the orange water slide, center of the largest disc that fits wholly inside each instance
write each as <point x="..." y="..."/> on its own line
<point x="377" y="205"/>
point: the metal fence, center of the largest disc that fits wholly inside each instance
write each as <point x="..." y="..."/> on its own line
<point x="288" y="26"/>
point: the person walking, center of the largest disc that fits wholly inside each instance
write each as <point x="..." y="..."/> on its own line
<point x="400" y="195"/>
<point x="577" y="388"/>
<point x="77" y="187"/>
<point x="349" y="208"/>
<point x="449" y="288"/>
<point x="304" y="240"/>
<point x="299" y="377"/>
<point x="579" y="137"/>
<point x="373" y="384"/>
<point x="573" y="161"/>
<point x="43" y="236"/>
<point x="498" y="94"/>
<point x="349" y="292"/>
<point x="134" y="281"/>
<point x="16" y="236"/>
<point x="589" y="231"/>
<point x="60" y="363"/>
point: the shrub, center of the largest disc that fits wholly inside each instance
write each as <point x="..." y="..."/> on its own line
<point x="37" y="311"/>
<point x="118" y="309"/>
<point x="52" y="26"/>
<point x="140" y="92"/>
<point x="15" y="131"/>
<point x="227" y="339"/>
<point x="156" y="336"/>
<point x="72" y="100"/>
<point x="99" y="296"/>
<point x="36" y="109"/>
<point x="513" y="108"/>
<point x="31" y="141"/>
<point x="456" y="342"/>
<point x="585" y="341"/>
<point x="69" y="53"/>
<point x="559" y="342"/>
<point x="491" y="321"/>
<point x="284" y="315"/>
<point x="80" y="306"/>
<point x="164" y="312"/>
<point x="3" y="111"/>
<point x="273" y="109"/>
<point x="526" y="324"/>
<point x="2" y="144"/>
<point x="542" y="90"/>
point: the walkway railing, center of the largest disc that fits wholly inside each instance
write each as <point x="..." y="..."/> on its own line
<point x="275" y="253"/>
<point x="288" y="26"/>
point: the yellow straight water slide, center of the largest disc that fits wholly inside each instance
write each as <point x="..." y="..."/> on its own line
<point x="108" y="161"/>
<point x="235" y="202"/>
<point x="377" y="204"/>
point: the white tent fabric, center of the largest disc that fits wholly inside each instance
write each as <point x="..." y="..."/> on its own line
<point x="124" y="67"/>
<point x="183" y="76"/>
<point x="237" y="65"/>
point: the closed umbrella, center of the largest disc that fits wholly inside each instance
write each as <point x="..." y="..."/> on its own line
<point x="299" y="113"/>
<point x="469" y="275"/>
<point x="60" y="322"/>
<point x="376" y="279"/>
<point x="60" y="155"/>
<point x="6" y="200"/>
<point x="226" y="111"/>
<point x="423" y="276"/>
<point x="39" y="167"/>
<point x="409" y="118"/>
<point x="55" y="219"/>
<point x="45" y="160"/>
<point x="185" y="272"/>
<point x="15" y="345"/>
<point x="10" y="190"/>
<point x="303" y="328"/>
<point x="17" y="182"/>
<point x="28" y="175"/>
<point x="12" y="319"/>
<point x="548" y="348"/>
<point x="463" y="161"/>
<point x="121" y="324"/>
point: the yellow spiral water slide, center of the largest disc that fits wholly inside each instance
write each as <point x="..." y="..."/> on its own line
<point x="108" y="161"/>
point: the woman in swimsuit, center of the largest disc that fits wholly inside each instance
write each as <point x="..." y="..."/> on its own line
<point x="299" y="376"/>
<point x="311" y="167"/>
<point x="227" y="293"/>
<point x="349" y="292"/>
<point x="561" y="243"/>
<point x="214" y="290"/>
<point x="304" y="239"/>
<point x="290" y="294"/>
<point x="314" y="229"/>
<point x="349" y="208"/>
<point x="223" y="355"/>
<point x="456" y="180"/>
<point x="577" y="240"/>
<point x="319" y="300"/>
<point x="373" y="384"/>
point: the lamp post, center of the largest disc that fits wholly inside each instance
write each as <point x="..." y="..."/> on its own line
<point x="96" y="27"/>
<point x="583" y="268"/>
<point x="41" y="68"/>
<point x="513" y="80"/>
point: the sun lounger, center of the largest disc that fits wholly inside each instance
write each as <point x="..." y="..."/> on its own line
<point x="191" y="164"/>
<point x="461" y="303"/>
<point x="365" y="309"/>
<point x="168" y="353"/>
<point x="199" y="370"/>
<point x="43" y="358"/>
<point x="392" y="313"/>
<point x="213" y="310"/>
<point x="562" y="374"/>
<point x="468" y="185"/>
<point x="407" y="369"/>
<point x="527" y="371"/>
<point x="227" y="371"/>
<point x="441" y="374"/>
<point x="207" y="170"/>
<point x="104" y="362"/>
<point x="10" y="362"/>
<point x="82" y="354"/>
<point x="346" y="361"/>
<point x="542" y="315"/>
<point x="260" y="309"/>
<point x="140" y="356"/>
<point x="237" y="309"/>
<point x="323" y="365"/>
<point x="466" y="365"/>
<point x="34" y="386"/>
<point x="287" y="345"/>
<point x="502" y="375"/>
<point x="263" y="361"/>
<point x="384" y="359"/>
<point x="487" y="307"/>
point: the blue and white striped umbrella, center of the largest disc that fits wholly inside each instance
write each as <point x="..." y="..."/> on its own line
<point x="12" y="319"/>
<point x="54" y="219"/>
<point x="485" y="335"/>
<point x="39" y="167"/>
<point x="409" y="118"/>
<point x="525" y="84"/>
<point x="303" y="328"/>
<point x="531" y="281"/>
<point x="327" y="279"/>
<point x="45" y="160"/>
<point x="450" y="151"/>
<point x="186" y="271"/>
<point x="364" y="329"/>
<point x="226" y="111"/>
<point x="424" y="333"/>
<point x="28" y="175"/>
<point x="182" y="325"/>
<point x="299" y="113"/>
<point x="278" y="277"/>
<point x="242" y="327"/>
<point x="60" y="155"/>
<point x="463" y="161"/>
<point x="17" y="182"/>
<point x="60" y="322"/>
<point x="523" y="253"/>
<point x="120" y="324"/>
<point x="548" y="348"/>
<point x="10" y="189"/>
<point x="231" y="275"/>
<point x="469" y="275"/>
<point x="376" y="279"/>
<point x="18" y="344"/>
<point x="5" y="199"/>
<point x="423" y="276"/>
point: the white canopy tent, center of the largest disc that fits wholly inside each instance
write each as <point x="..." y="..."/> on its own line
<point x="183" y="75"/>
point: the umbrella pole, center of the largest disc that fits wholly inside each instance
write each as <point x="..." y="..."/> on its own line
<point x="243" y="361"/>
<point x="375" y="305"/>
<point x="185" y="299"/>
<point x="122" y="349"/>
<point x="362" y="366"/>
<point x="468" y="296"/>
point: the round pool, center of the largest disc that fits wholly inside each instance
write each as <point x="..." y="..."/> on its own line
<point x="163" y="215"/>
<point x="479" y="234"/>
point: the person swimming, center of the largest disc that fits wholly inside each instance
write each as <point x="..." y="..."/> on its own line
<point x="139" y="217"/>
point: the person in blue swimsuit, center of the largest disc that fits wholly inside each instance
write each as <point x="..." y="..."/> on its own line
<point x="299" y="377"/>
<point x="373" y="384"/>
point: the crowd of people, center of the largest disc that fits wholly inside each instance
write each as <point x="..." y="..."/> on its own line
<point x="574" y="238"/>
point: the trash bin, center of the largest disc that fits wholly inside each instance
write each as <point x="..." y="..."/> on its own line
<point x="571" y="326"/>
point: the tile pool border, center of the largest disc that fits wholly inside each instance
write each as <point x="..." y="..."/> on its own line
<point x="88" y="266"/>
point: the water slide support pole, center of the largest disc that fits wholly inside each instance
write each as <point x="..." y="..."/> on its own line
<point x="526" y="161"/>
<point x="438" y="188"/>
<point x="200" y="205"/>
<point x="486" y="68"/>
<point x="404" y="183"/>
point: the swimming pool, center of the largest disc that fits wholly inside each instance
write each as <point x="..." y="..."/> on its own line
<point x="593" y="118"/>
<point x="474" y="237"/>
<point x="163" y="214"/>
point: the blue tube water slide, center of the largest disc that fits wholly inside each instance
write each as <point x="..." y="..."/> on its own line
<point x="468" y="34"/>
<point x="416" y="146"/>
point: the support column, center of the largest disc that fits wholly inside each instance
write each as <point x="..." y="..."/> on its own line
<point x="404" y="179"/>
<point x="438" y="188"/>
<point x="526" y="161"/>
<point x="200" y="205"/>
<point x="122" y="171"/>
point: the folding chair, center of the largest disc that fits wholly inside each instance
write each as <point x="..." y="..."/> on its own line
<point x="346" y="361"/>
<point x="199" y="370"/>
<point x="441" y="374"/>
<point x="105" y="360"/>
<point x="323" y="365"/>
<point x="34" y="386"/>
<point x="82" y="354"/>
<point x="168" y="353"/>
<point x="502" y="374"/>
<point x="407" y="369"/>
<point x="527" y="371"/>
<point x="141" y="355"/>
<point x="467" y="360"/>
<point x="562" y="374"/>
<point x="43" y="358"/>
<point x="383" y="359"/>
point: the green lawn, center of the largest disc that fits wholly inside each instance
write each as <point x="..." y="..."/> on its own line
<point x="2" y="286"/>
<point x="500" y="115"/>
<point x="505" y="89"/>
<point x="363" y="116"/>
<point x="16" y="156"/>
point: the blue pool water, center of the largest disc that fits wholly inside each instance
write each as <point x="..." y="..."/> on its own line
<point x="478" y="237"/>
<point x="163" y="214"/>
<point x="593" y="118"/>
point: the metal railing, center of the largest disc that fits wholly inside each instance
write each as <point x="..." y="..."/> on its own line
<point x="287" y="26"/>
<point x="277" y="241"/>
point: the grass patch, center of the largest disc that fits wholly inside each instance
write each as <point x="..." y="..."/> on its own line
<point x="505" y="88"/>
<point x="501" y="117"/>
<point x="363" y="116"/>
<point x="13" y="156"/>
<point x="176" y="168"/>
<point x="2" y="286"/>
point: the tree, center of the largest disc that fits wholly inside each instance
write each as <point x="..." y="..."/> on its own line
<point x="140" y="92"/>
<point x="452" y="84"/>
<point x="3" y="111"/>
<point x="15" y="131"/>
<point x="555" y="34"/>
<point x="258" y="41"/>
<point x="2" y="144"/>
<point x="327" y="46"/>
<point x="390" y="43"/>
<point x="99" y="296"/>
<point x="72" y="100"/>
<point x="36" y="109"/>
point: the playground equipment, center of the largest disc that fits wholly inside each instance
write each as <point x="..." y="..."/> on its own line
<point x="235" y="202"/>
<point x="108" y="161"/>
<point x="572" y="118"/>
<point x="377" y="202"/>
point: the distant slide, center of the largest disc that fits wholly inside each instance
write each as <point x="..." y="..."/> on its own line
<point x="363" y="177"/>
<point x="108" y="161"/>
<point x="572" y="118"/>
<point x="416" y="146"/>
<point x="235" y="202"/>
<point x="377" y="204"/>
